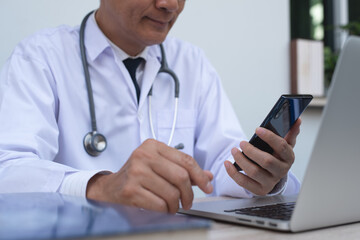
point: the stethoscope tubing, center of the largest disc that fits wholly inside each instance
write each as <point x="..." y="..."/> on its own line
<point x="86" y="72"/>
<point x="90" y="138"/>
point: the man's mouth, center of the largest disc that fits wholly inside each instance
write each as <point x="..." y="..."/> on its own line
<point x="159" y="22"/>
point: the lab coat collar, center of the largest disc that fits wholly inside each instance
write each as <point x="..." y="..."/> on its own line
<point x="151" y="70"/>
<point x="123" y="55"/>
<point x="95" y="40"/>
<point x="96" y="43"/>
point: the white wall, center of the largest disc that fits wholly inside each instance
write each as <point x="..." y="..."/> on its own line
<point x="246" y="40"/>
<point x="20" y="18"/>
<point x="248" y="43"/>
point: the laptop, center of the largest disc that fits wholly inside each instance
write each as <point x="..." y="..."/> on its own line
<point x="330" y="191"/>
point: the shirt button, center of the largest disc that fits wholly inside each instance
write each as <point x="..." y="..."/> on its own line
<point x="140" y="116"/>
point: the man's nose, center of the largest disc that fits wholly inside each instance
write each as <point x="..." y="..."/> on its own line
<point x="169" y="5"/>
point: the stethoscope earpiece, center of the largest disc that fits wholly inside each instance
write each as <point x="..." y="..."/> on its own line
<point x="94" y="143"/>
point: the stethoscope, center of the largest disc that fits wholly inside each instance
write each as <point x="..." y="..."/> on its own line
<point x="94" y="142"/>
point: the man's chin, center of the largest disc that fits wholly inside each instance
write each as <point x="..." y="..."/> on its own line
<point x="155" y="41"/>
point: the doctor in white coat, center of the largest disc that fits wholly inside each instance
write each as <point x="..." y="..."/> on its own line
<point x="44" y="116"/>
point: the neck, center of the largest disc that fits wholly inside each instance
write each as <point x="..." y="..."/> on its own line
<point x="115" y="35"/>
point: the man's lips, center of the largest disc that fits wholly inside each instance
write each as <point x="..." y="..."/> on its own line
<point x="159" y="22"/>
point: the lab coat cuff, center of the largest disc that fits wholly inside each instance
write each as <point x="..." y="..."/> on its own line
<point x="75" y="183"/>
<point x="279" y="187"/>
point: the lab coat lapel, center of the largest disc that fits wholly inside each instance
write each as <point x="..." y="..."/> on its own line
<point x="151" y="70"/>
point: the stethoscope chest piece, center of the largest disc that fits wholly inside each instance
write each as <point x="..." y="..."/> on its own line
<point x="94" y="143"/>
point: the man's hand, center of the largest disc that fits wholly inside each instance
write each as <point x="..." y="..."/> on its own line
<point x="262" y="179"/>
<point x="155" y="177"/>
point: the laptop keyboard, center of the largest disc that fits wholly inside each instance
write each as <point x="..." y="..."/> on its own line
<point x="279" y="211"/>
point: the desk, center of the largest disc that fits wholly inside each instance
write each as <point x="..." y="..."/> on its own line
<point x="50" y="215"/>
<point x="226" y="231"/>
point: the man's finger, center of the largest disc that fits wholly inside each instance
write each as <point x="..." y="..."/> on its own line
<point x="244" y="180"/>
<point x="267" y="161"/>
<point x="164" y="190"/>
<point x="280" y="146"/>
<point x="254" y="171"/>
<point x="177" y="176"/>
<point x="197" y="175"/>
<point x="293" y="133"/>
<point x="148" y="200"/>
<point x="207" y="173"/>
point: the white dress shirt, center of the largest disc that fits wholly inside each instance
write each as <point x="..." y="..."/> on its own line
<point x="44" y="112"/>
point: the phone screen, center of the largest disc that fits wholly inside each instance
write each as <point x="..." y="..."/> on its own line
<point x="281" y="118"/>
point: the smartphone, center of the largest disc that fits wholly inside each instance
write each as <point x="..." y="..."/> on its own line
<point x="280" y="119"/>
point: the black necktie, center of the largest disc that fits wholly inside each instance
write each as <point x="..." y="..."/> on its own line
<point x="132" y="64"/>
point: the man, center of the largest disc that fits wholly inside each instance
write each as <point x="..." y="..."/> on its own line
<point x="44" y="116"/>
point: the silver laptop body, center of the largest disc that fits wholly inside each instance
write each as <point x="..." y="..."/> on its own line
<point x="330" y="191"/>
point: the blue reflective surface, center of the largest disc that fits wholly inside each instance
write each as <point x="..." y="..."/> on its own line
<point x="53" y="216"/>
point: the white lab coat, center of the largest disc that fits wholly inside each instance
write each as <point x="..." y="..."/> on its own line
<point x="44" y="112"/>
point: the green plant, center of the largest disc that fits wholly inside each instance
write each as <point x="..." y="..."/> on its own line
<point x="353" y="28"/>
<point x="330" y="57"/>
